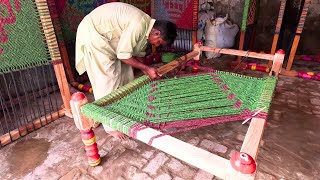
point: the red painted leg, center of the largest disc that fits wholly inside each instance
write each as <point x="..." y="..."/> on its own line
<point x="89" y="140"/>
<point x="243" y="167"/>
<point x="84" y="124"/>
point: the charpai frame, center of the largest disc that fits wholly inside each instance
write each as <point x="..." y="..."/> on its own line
<point x="214" y="164"/>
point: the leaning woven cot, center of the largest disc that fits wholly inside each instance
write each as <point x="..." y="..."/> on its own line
<point x="145" y="109"/>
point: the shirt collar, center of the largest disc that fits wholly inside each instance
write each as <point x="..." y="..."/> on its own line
<point x="152" y="21"/>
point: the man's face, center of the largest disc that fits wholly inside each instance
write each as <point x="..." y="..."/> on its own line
<point x="155" y="38"/>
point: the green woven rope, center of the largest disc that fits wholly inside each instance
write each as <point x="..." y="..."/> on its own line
<point x="123" y="91"/>
<point x="245" y="15"/>
<point x="25" y="46"/>
<point x="256" y="93"/>
<point x="186" y="98"/>
<point x="103" y="115"/>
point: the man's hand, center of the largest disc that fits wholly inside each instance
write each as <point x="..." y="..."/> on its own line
<point x="151" y="72"/>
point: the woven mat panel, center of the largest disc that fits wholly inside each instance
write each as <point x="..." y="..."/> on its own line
<point x="203" y="98"/>
<point x="21" y="38"/>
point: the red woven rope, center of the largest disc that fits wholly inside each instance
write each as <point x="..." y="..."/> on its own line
<point x="197" y="123"/>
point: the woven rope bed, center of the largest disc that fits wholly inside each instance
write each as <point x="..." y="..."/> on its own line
<point x="150" y="111"/>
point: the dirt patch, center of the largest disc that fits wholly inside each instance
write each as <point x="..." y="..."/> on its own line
<point x="26" y="155"/>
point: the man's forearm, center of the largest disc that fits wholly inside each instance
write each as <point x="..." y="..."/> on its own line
<point x="141" y="59"/>
<point x="135" y="63"/>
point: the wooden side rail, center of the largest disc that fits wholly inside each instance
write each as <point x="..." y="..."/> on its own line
<point x="195" y="156"/>
<point x="235" y="52"/>
<point x="276" y="59"/>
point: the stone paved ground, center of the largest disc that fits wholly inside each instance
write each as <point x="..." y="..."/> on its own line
<point x="289" y="150"/>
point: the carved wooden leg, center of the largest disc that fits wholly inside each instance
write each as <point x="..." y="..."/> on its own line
<point x="84" y="124"/>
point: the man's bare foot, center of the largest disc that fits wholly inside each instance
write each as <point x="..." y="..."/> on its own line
<point x="118" y="135"/>
<point x="95" y="124"/>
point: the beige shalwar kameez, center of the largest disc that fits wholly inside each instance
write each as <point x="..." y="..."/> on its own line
<point x="111" y="32"/>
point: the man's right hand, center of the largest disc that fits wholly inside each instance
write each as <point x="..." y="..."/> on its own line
<point x="151" y="72"/>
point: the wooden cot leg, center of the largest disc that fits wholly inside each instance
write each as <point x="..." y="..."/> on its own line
<point x="196" y="59"/>
<point x="89" y="140"/>
<point x="277" y="63"/>
<point x="243" y="162"/>
<point x="243" y="167"/>
<point x="84" y="124"/>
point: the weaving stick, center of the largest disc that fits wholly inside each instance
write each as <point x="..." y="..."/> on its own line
<point x="278" y="28"/>
<point x="253" y="115"/>
<point x="84" y="124"/>
<point x="298" y="33"/>
<point x="178" y="62"/>
<point x="53" y="48"/>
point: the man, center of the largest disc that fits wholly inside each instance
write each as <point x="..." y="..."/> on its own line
<point x="109" y="42"/>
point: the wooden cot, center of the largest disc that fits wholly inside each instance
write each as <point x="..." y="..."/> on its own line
<point x="195" y="156"/>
